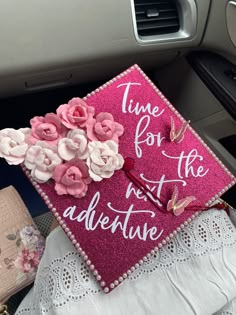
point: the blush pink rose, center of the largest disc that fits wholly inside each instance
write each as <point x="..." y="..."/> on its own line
<point x="27" y="261"/>
<point x="104" y="128"/>
<point x="41" y="159"/>
<point x="75" y="114"/>
<point x="48" y="129"/>
<point x="13" y="147"/>
<point x="74" y="145"/>
<point x="72" y="178"/>
<point x="103" y="159"/>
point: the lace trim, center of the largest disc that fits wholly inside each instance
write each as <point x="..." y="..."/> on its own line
<point x="205" y="234"/>
<point x="68" y="279"/>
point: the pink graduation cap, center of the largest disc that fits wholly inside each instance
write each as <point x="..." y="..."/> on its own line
<point x="144" y="174"/>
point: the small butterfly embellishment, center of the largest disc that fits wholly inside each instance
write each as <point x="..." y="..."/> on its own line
<point x="178" y="206"/>
<point x="177" y="135"/>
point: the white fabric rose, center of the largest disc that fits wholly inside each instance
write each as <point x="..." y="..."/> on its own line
<point x="41" y="159"/>
<point x="74" y="145"/>
<point x="13" y="147"/>
<point x="103" y="159"/>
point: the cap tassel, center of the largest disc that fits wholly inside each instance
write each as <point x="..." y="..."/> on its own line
<point x="219" y="206"/>
<point x="127" y="168"/>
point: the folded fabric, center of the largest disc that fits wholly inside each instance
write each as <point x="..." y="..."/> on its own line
<point x="194" y="274"/>
<point x="21" y="244"/>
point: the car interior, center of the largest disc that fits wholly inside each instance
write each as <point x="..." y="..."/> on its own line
<point x="53" y="50"/>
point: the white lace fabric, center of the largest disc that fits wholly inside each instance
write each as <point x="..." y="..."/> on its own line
<point x="195" y="273"/>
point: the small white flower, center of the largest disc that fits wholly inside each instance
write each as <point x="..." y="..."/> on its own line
<point x="29" y="235"/>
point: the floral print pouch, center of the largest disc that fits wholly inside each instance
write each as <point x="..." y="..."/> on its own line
<point x="21" y="244"/>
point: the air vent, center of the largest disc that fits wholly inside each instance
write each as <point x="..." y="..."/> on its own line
<point x="156" y="17"/>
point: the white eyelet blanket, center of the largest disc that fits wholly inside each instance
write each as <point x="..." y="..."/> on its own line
<point x="194" y="274"/>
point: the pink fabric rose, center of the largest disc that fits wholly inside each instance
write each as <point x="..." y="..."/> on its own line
<point x="74" y="145"/>
<point x="103" y="159"/>
<point x="41" y="159"/>
<point x="13" y="147"/>
<point x="72" y="178"/>
<point x="48" y="129"/>
<point x="104" y="128"/>
<point x="75" y="114"/>
<point x="27" y="261"/>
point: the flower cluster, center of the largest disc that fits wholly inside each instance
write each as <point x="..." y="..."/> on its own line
<point x="28" y="260"/>
<point x="31" y="245"/>
<point x="72" y="146"/>
<point x="32" y="239"/>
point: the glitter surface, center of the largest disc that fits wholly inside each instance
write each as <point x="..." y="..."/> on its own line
<point x="116" y="225"/>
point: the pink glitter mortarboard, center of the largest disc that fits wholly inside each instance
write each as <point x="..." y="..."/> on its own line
<point x="116" y="227"/>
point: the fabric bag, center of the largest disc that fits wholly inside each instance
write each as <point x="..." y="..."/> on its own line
<point x="21" y="245"/>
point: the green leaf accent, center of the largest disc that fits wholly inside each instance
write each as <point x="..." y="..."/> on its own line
<point x="11" y="237"/>
<point x="18" y="242"/>
<point x="10" y="267"/>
